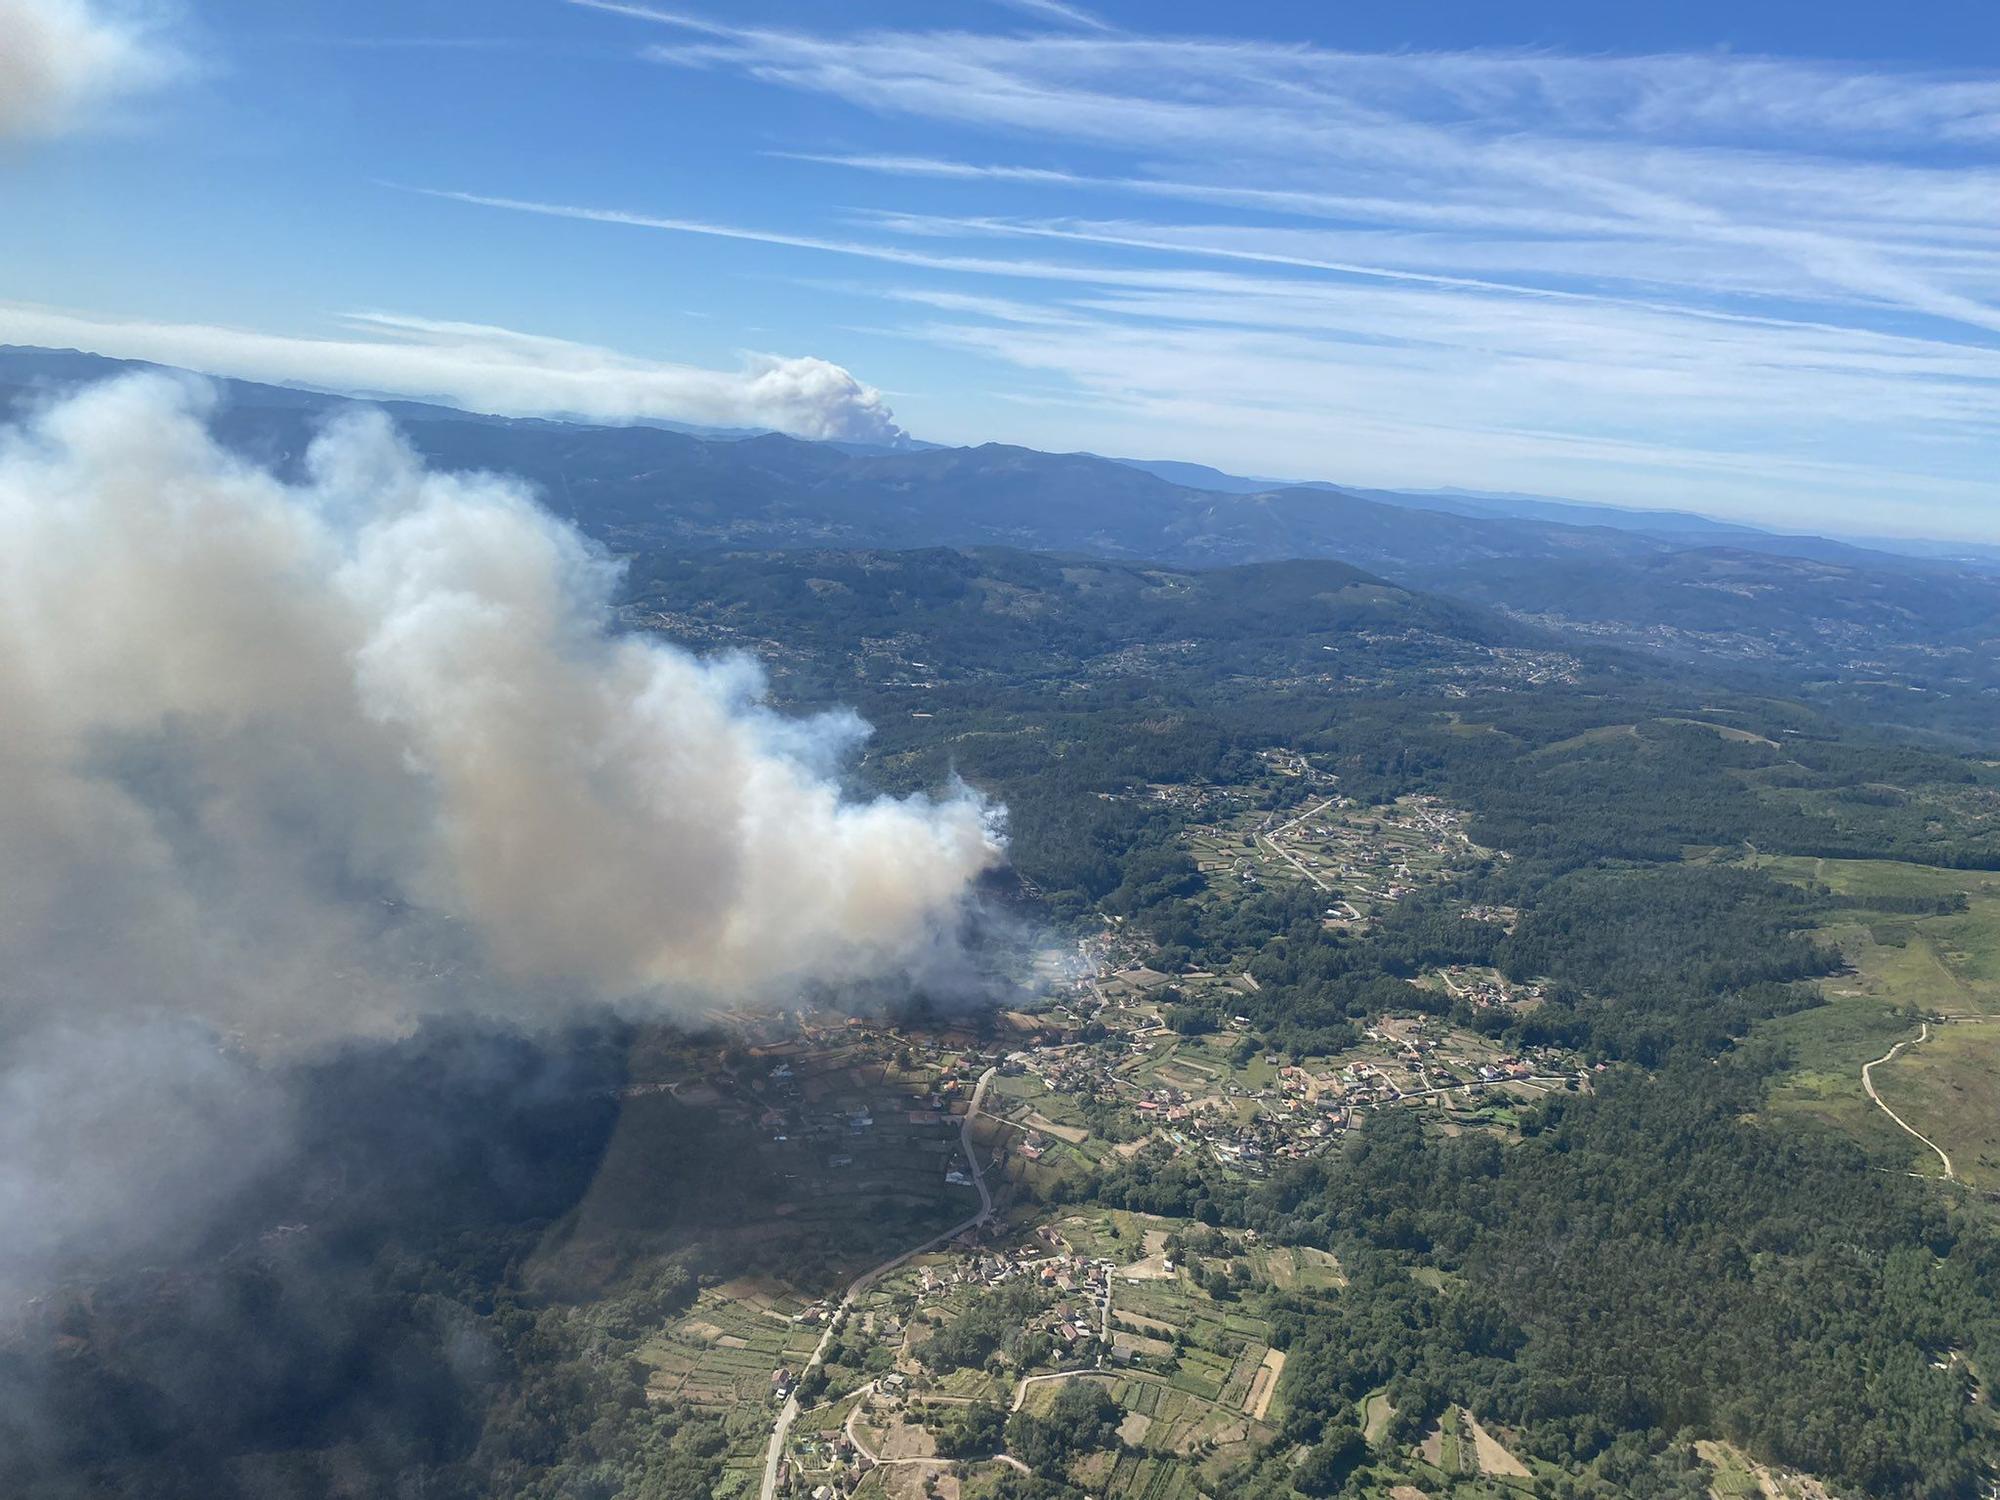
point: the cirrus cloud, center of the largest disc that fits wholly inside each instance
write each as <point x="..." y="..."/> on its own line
<point x="1765" y="285"/>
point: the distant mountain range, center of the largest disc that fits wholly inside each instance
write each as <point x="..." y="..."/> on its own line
<point x="1681" y="526"/>
<point x="1881" y="629"/>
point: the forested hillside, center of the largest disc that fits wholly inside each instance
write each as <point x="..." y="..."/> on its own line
<point x="1875" y="636"/>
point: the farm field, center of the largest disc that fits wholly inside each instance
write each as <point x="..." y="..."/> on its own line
<point x="853" y="1131"/>
<point x="724" y="1351"/>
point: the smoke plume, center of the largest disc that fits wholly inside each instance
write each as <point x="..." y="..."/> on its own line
<point x="498" y="370"/>
<point x="248" y="717"/>
<point x="295" y="762"/>
<point x="62" y="59"/>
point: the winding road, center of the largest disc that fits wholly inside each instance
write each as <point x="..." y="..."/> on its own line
<point x="860" y="1447"/>
<point x="774" y="1454"/>
<point x="1868" y="1082"/>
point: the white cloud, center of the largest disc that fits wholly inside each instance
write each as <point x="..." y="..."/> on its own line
<point x="1153" y="91"/>
<point x="1375" y="375"/>
<point x="1773" y="284"/>
<point x="1056" y="10"/>
<point x="490" y="369"/>
<point x="1678" y="151"/>
<point x="63" y="61"/>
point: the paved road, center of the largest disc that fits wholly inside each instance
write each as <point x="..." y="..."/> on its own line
<point x="943" y="1463"/>
<point x="1286" y="854"/>
<point x="788" y="1414"/>
<point x="1868" y="1082"/>
<point x="1021" y="1391"/>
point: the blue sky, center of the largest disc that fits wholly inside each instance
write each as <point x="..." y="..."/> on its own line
<point x="1747" y="264"/>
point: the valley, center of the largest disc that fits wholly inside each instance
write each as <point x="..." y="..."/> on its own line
<point x="1018" y="750"/>
<point x="1406" y="1048"/>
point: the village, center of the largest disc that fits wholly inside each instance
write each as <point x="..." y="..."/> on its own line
<point x="1192" y="1093"/>
<point x="849" y="1112"/>
<point x="1362" y="859"/>
<point x="933" y="1151"/>
<point x="998" y="1319"/>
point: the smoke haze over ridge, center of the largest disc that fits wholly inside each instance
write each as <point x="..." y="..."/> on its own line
<point x="303" y="762"/>
<point x="496" y="370"/>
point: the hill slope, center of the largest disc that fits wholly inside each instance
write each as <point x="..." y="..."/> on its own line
<point x="1889" y="637"/>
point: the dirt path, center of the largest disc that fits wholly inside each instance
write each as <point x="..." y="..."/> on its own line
<point x="775" y="1452"/>
<point x="862" y="1448"/>
<point x="1868" y="1082"/>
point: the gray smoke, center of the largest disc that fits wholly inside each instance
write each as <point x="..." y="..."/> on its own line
<point x="295" y="762"/>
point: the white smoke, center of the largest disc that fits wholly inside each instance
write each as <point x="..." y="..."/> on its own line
<point x="497" y="370"/>
<point x="60" y="60"/>
<point x="247" y="718"/>
<point x="296" y="762"/>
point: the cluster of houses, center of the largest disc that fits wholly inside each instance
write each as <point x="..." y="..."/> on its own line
<point x="1051" y="1265"/>
<point x="1303" y="1109"/>
<point x="1067" y="1325"/>
<point x="788" y="1117"/>
<point x="1165" y="1103"/>
<point x="823" y="1466"/>
<point x="1359" y="855"/>
<point x="1485" y="990"/>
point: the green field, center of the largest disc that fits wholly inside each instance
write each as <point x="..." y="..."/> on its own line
<point x="1946" y="1088"/>
<point x="1903" y="966"/>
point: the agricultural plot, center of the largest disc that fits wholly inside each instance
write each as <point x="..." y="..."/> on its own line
<point x="1734" y="1475"/>
<point x="725" y="1350"/>
<point x="1133" y="1475"/>
<point x="1111" y="1234"/>
<point x="1297" y="1268"/>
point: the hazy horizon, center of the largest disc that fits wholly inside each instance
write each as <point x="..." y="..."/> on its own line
<point x="1690" y="263"/>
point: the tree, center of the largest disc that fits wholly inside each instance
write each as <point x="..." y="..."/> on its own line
<point x="1082" y="1417"/>
<point x="1339" y="1452"/>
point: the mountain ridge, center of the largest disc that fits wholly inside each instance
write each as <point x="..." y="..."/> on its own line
<point x="1891" y="635"/>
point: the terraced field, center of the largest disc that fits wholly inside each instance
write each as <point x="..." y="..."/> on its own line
<point x="723" y="1352"/>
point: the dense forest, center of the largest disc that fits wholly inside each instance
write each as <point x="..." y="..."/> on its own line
<point x="1648" y="1263"/>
